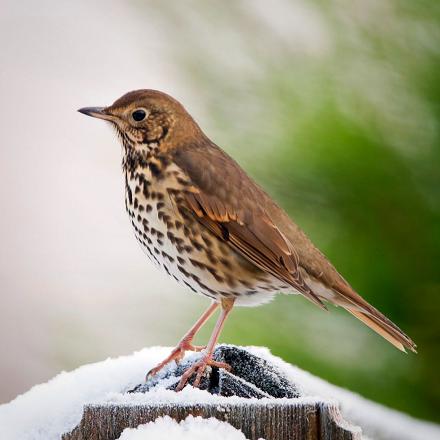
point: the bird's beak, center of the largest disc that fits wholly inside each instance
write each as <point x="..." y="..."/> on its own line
<point x="97" y="112"/>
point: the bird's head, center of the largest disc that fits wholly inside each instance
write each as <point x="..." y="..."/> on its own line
<point x="147" y="117"/>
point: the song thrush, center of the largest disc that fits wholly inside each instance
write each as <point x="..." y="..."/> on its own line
<point x="207" y="224"/>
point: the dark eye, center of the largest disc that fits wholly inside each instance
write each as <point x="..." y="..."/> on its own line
<point x="138" y="115"/>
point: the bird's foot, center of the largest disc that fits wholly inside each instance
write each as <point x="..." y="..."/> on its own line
<point x="199" y="368"/>
<point x="176" y="355"/>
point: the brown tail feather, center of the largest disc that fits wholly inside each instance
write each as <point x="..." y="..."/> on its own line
<point x="361" y="309"/>
<point x="395" y="337"/>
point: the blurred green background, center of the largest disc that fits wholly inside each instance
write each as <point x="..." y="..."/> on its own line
<point x="336" y="113"/>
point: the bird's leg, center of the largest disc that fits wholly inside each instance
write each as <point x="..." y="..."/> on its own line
<point x="185" y="343"/>
<point x="206" y="360"/>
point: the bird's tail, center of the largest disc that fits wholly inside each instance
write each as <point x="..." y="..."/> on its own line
<point x="370" y="316"/>
<point x="390" y="332"/>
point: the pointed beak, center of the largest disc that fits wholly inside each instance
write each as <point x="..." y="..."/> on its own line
<point x="97" y="112"/>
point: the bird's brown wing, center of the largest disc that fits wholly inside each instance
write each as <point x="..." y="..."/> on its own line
<point x="234" y="207"/>
<point x="227" y="202"/>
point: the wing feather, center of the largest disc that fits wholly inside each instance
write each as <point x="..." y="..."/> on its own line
<point x="250" y="230"/>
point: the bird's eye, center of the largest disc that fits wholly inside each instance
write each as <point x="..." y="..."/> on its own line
<point x="138" y="115"/>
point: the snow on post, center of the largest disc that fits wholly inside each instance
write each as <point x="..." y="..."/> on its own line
<point x="263" y="398"/>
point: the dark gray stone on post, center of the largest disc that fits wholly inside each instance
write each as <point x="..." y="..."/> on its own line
<point x="250" y="376"/>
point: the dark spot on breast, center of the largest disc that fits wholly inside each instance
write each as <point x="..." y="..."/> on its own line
<point x="129" y="193"/>
<point x="146" y="192"/>
<point x="171" y="237"/>
<point x="149" y="208"/>
<point x="245" y="283"/>
<point x="197" y="263"/>
<point x="189" y="285"/>
<point x="155" y="170"/>
<point x="166" y="218"/>
<point x="179" y="241"/>
<point x="203" y="286"/>
<point x="207" y="241"/>
<point x="183" y="271"/>
<point x="167" y="256"/>
<point x="196" y="244"/>
<point x="181" y="249"/>
<point x="214" y="273"/>
<point x="212" y="259"/>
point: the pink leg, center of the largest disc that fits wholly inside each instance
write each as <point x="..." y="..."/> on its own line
<point x="206" y="360"/>
<point x="185" y="343"/>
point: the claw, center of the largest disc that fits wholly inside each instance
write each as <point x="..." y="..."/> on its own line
<point x="176" y="355"/>
<point x="199" y="367"/>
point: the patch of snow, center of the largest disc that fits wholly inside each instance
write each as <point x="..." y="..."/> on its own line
<point x="48" y="410"/>
<point x="159" y="394"/>
<point x="192" y="428"/>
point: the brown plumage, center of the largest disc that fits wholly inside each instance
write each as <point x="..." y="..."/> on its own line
<point x="220" y="233"/>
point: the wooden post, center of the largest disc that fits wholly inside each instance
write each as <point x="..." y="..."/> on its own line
<point x="273" y="421"/>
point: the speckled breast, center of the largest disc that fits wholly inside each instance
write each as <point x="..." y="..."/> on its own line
<point x="182" y="247"/>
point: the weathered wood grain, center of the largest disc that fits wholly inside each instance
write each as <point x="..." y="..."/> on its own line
<point x="271" y="421"/>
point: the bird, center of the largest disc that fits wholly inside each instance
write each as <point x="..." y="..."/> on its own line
<point x="203" y="220"/>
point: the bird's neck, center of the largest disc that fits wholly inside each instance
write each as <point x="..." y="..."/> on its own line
<point x="144" y="161"/>
<point x="138" y="155"/>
